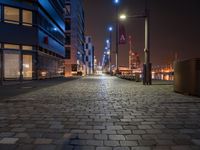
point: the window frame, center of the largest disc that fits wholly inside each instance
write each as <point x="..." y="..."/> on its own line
<point x="8" y="20"/>
<point x="22" y="19"/>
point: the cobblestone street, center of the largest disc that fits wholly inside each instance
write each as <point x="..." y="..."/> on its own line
<point x="100" y="113"/>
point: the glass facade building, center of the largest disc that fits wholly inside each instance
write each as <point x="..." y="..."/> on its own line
<point x="32" y="39"/>
<point x="75" y="38"/>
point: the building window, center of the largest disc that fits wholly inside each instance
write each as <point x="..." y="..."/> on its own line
<point x="11" y="65"/>
<point x="67" y="24"/>
<point x="68" y="53"/>
<point x="27" y="66"/>
<point x="11" y="46"/>
<point x="25" y="47"/>
<point x="27" y="17"/>
<point x="68" y="39"/>
<point x="11" y="15"/>
<point x="68" y="10"/>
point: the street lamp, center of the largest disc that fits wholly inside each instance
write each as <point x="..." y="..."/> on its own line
<point x="147" y="76"/>
<point x="117" y="32"/>
<point x="122" y="17"/>
<point x="110" y="55"/>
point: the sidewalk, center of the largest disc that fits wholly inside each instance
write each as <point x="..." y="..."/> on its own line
<point x="13" y="88"/>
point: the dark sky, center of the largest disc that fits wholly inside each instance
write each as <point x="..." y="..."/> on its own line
<point x="174" y="28"/>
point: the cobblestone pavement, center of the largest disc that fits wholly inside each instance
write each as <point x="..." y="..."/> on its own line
<point x="100" y="113"/>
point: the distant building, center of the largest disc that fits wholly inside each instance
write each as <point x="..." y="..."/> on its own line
<point x="31" y="39"/>
<point x="74" y="42"/>
<point x="89" y="57"/>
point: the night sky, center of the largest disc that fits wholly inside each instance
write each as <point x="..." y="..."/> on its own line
<point x="174" y="28"/>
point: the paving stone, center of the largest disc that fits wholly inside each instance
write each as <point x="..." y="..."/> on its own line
<point x="114" y="127"/>
<point x="93" y="131"/>
<point x="95" y="142"/>
<point x="101" y="136"/>
<point x="128" y="143"/>
<point x="43" y="141"/>
<point x="162" y="148"/>
<point x="9" y="140"/>
<point x="45" y="147"/>
<point x="6" y="134"/>
<point x="196" y="141"/>
<point x="133" y="137"/>
<point x="104" y="148"/>
<point x="109" y="132"/>
<point x="147" y="142"/>
<point x="83" y="148"/>
<point x="181" y="147"/>
<point x="116" y="137"/>
<point x="141" y="148"/>
<point x="111" y="143"/>
<point x="124" y="131"/>
<point x="22" y="135"/>
<point x="121" y="148"/>
<point x="86" y="136"/>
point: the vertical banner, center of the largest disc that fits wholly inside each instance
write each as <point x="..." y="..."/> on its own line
<point x="122" y="34"/>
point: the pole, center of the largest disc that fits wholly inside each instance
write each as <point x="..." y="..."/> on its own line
<point x="110" y="61"/>
<point x="147" y="65"/>
<point x="117" y="37"/>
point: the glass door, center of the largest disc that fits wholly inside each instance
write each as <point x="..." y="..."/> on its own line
<point x="27" y="67"/>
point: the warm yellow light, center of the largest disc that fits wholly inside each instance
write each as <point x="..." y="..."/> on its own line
<point x="122" y="17"/>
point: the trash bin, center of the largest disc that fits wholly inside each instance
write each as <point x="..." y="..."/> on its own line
<point x="187" y="77"/>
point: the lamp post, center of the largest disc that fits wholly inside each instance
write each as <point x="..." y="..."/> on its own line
<point x="147" y="76"/>
<point x="110" y="58"/>
<point x="117" y="34"/>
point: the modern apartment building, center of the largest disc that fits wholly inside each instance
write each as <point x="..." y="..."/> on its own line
<point x="89" y="55"/>
<point x="32" y="35"/>
<point x="75" y="38"/>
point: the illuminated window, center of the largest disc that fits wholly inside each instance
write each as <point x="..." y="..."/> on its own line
<point x="27" y="17"/>
<point x="27" y="66"/>
<point x="29" y="48"/>
<point x="11" y="46"/>
<point x="11" y="65"/>
<point x="11" y="15"/>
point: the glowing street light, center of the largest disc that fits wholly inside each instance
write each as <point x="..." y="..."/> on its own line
<point x="110" y="29"/>
<point x="116" y="1"/>
<point x="107" y="41"/>
<point x="122" y="17"/>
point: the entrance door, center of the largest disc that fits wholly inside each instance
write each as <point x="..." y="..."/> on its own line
<point x="27" y="67"/>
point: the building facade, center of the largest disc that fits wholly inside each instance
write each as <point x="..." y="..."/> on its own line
<point x="32" y="39"/>
<point x="75" y="38"/>
<point x="89" y="56"/>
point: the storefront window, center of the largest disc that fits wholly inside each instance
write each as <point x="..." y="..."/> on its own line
<point x="29" y="48"/>
<point x="27" y="66"/>
<point x="11" y="46"/>
<point x="11" y="15"/>
<point x="11" y="65"/>
<point x="27" y="18"/>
